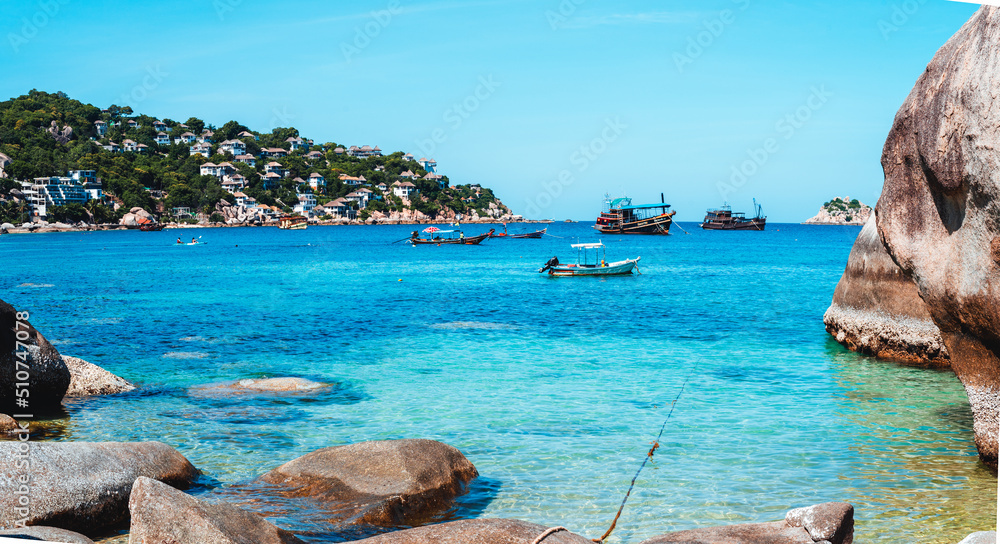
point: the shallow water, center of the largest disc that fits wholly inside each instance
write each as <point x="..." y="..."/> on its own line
<point x="553" y="387"/>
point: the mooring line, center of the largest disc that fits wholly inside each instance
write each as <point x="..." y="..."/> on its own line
<point x="649" y="455"/>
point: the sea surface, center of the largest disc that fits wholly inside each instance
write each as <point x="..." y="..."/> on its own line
<point x="555" y="388"/>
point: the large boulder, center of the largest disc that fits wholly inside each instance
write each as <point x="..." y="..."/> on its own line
<point x="81" y="486"/>
<point x="831" y="523"/>
<point x="383" y="483"/>
<point x="940" y="203"/>
<point x="24" y="349"/>
<point x="88" y="379"/>
<point x="478" y="531"/>
<point x="47" y="534"/>
<point x="877" y="310"/>
<point x="164" y="515"/>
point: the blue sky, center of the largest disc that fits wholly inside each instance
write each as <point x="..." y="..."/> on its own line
<point x="552" y="103"/>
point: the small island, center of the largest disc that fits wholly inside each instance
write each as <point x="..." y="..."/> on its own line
<point x="842" y="211"/>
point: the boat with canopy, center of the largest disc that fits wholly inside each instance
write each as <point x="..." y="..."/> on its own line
<point x="436" y="236"/>
<point x="587" y="266"/>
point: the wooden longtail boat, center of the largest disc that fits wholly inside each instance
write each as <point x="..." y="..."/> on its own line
<point x="440" y="237"/>
<point x="532" y="235"/>
<point x="292" y="222"/>
<point x="725" y="218"/>
<point x="584" y="267"/>
<point x="621" y="217"/>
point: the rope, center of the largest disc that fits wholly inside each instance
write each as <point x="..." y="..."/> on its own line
<point x="682" y="228"/>
<point x="548" y="532"/>
<point x="649" y="455"/>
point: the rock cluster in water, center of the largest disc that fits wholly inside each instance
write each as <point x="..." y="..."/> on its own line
<point x="939" y="214"/>
<point x="877" y="310"/>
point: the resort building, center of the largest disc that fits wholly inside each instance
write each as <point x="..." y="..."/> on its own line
<point x="364" y="152"/>
<point x="234" y="183"/>
<point x="273" y="152"/>
<point x="271" y="181"/>
<point x="428" y="164"/>
<point x="244" y="200"/>
<point x="247" y="134"/>
<point x="409" y="175"/>
<point x="340" y="208"/>
<point x="297" y="144"/>
<point x="204" y="150"/>
<point x="112" y="147"/>
<point x="206" y="136"/>
<point x="317" y="182"/>
<point x="403" y="189"/>
<point x="133" y="124"/>
<point x="351" y="181"/>
<point x="186" y="138"/>
<point x="43" y="193"/>
<point x="217" y="170"/>
<point x="246" y="159"/>
<point x="277" y="168"/>
<point x="339" y="150"/>
<point x="233" y="147"/>
<point x="102" y="128"/>
<point x="436" y="178"/>
<point x="162" y="139"/>
<point x="160" y="126"/>
<point x="314" y="155"/>
<point x="307" y="201"/>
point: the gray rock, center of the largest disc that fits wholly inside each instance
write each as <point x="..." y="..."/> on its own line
<point x="262" y="385"/>
<point x="385" y="483"/>
<point x="939" y="206"/>
<point x="164" y="515"/>
<point x="88" y="379"/>
<point x="7" y="424"/>
<point x="48" y="375"/>
<point x="81" y="486"/>
<point x="877" y="310"/>
<point x="986" y="537"/>
<point x="777" y="532"/>
<point x="477" y="531"/>
<point x="832" y="521"/>
<point x="48" y="534"/>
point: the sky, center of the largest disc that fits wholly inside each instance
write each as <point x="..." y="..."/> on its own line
<point x="551" y="103"/>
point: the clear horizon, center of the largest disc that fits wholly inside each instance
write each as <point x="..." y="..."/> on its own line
<point x="550" y="104"/>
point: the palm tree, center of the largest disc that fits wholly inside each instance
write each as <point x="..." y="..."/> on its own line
<point x="22" y="207"/>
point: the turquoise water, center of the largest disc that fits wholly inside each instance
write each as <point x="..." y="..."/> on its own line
<point x="553" y="387"/>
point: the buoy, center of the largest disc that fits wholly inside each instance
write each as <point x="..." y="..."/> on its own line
<point x="401" y="279"/>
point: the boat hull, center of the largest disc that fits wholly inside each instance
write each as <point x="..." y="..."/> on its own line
<point x="751" y="224"/>
<point x="620" y="268"/>
<point x="470" y="241"/>
<point x="659" y="224"/>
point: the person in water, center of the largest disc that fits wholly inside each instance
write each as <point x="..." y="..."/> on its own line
<point x="179" y="241"/>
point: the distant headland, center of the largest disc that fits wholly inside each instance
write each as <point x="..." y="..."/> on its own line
<point x="63" y="161"/>
<point x="841" y="211"/>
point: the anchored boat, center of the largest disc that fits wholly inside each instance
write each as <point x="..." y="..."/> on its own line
<point x="439" y="237"/>
<point x="725" y="218"/>
<point x="520" y="236"/>
<point x="586" y="267"/>
<point x="292" y="222"/>
<point x="620" y="216"/>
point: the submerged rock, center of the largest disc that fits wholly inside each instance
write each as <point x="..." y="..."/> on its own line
<point x="164" y="515"/>
<point x="48" y="534"/>
<point x="383" y="483"/>
<point x="477" y="531"/>
<point x="7" y="424"/>
<point x="831" y="523"/>
<point x="263" y="385"/>
<point x="877" y="310"/>
<point x="940" y="203"/>
<point x="985" y="537"/>
<point x="81" y="486"/>
<point x="48" y="376"/>
<point x="88" y="379"/>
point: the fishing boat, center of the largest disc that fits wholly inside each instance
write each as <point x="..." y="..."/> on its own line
<point x="436" y="236"/>
<point x="292" y="222"/>
<point x="585" y="266"/>
<point x="620" y="216"/>
<point x="530" y="235"/>
<point x="725" y="218"/>
<point x="521" y="236"/>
